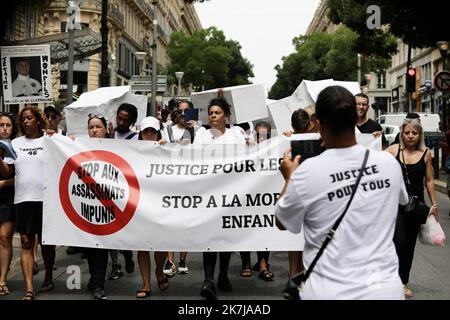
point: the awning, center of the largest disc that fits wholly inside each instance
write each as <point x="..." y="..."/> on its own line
<point x="86" y="43"/>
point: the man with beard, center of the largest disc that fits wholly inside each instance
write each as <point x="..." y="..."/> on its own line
<point x="363" y="123"/>
<point x="126" y="118"/>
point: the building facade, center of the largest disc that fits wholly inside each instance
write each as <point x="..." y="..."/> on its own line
<point x="130" y="26"/>
<point x="427" y="62"/>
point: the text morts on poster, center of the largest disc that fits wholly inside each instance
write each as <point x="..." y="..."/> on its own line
<point x="26" y="74"/>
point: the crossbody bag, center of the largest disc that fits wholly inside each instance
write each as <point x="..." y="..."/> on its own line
<point x="297" y="281"/>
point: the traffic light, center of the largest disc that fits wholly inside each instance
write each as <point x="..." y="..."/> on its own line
<point x="411" y="80"/>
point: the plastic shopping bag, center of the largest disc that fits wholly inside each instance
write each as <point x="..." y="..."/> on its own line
<point x="431" y="233"/>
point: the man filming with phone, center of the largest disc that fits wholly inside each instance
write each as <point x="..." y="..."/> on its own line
<point x="185" y="126"/>
<point x="361" y="188"/>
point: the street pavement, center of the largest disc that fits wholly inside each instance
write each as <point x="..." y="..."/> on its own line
<point x="430" y="275"/>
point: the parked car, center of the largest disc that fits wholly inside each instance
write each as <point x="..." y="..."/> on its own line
<point x="390" y="132"/>
<point x="429" y="121"/>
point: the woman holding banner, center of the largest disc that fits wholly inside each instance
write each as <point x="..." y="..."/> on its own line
<point x="29" y="194"/>
<point x="263" y="131"/>
<point x="151" y="131"/>
<point x="218" y="113"/>
<point x="7" y="214"/>
<point x="97" y="258"/>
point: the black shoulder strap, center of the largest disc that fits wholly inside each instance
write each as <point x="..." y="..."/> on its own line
<point x="191" y="132"/>
<point x="338" y="221"/>
<point x="130" y="136"/>
<point x="170" y="133"/>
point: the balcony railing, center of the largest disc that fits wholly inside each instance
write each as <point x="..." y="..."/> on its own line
<point x="116" y="16"/>
<point x="86" y="4"/>
<point x="145" y="7"/>
<point x="163" y="34"/>
<point x="173" y="20"/>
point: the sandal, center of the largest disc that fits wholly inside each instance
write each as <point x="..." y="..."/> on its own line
<point x="266" y="275"/>
<point x="47" y="286"/>
<point x="4" y="290"/>
<point x="142" y="294"/>
<point x="29" y="295"/>
<point x="246" y="273"/>
<point x="163" y="284"/>
<point x="256" y="266"/>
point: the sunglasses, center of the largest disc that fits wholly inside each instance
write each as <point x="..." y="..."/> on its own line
<point x="97" y="115"/>
<point x="6" y="114"/>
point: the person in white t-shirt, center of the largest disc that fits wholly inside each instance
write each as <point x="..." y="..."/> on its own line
<point x="29" y="194"/>
<point x="218" y="113"/>
<point x="126" y="118"/>
<point x="151" y="131"/>
<point x="360" y="261"/>
<point x="179" y="132"/>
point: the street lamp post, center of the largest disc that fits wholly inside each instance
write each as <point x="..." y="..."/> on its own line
<point x="72" y="9"/>
<point x="443" y="49"/>
<point x="179" y="76"/>
<point x="151" y="109"/>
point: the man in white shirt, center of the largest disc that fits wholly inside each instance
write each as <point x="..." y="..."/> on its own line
<point x="360" y="262"/>
<point x="24" y="86"/>
<point x="126" y="118"/>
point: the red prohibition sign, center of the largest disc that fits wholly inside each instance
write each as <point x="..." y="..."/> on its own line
<point x="121" y="217"/>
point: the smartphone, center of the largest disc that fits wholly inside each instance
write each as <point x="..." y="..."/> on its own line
<point x="190" y="114"/>
<point x="306" y="148"/>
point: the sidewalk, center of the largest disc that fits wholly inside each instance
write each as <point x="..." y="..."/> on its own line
<point x="441" y="183"/>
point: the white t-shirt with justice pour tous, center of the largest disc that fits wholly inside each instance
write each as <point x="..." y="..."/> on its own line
<point x="360" y="262"/>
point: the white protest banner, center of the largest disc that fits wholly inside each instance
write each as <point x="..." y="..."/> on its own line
<point x="369" y="141"/>
<point x="26" y="74"/>
<point x="137" y="195"/>
<point x="247" y="102"/>
<point x="103" y="101"/>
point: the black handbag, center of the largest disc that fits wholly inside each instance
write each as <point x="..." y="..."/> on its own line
<point x="415" y="209"/>
<point x="295" y="282"/>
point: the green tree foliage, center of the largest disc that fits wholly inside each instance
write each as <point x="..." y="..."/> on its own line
<point x="322" y="56"/>
<point x="420" y="24"/>
<point x="353" y="14"/>
<point x="208" y="58"/>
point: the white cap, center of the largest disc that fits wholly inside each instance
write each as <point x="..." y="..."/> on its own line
<point x="150" y="122"/>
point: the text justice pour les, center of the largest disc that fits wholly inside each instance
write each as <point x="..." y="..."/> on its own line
<point x="262" y="165"/>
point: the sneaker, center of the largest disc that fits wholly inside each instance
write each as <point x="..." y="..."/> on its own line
<point x="99" y="294"/>
<point x="170" y="269"/>
<point x="129" y="262"/>
<point x="116" y="272"/>
<point x="182" y="267"/>
<point x="208" y="290"/>
<point x="407" y="291"/>
<point x="223" y="283"/>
